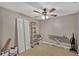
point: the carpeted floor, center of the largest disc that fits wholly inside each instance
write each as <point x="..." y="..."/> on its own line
<point x="47" y="50"/>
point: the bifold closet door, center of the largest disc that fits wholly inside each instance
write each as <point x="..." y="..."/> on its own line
<point x="27" y="34"/>
<point x="20" y="34"/>
<point x="23" y="31"/>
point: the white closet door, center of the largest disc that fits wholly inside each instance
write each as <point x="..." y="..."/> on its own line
<point x="20" y="32"/>
<point x="27" y="34"/>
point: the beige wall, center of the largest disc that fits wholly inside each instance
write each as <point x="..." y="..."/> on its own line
<point x="65" y="25"/>
<point x="0" y="28"/>
<point x="7" y="24"/>
<point x="78" y="30"/>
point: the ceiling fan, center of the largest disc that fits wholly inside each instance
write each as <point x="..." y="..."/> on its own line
<point x="46" y="13"/>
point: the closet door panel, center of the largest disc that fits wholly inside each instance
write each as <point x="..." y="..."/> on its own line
<point x="27" y="34"/>
<point x="20" y="28"/>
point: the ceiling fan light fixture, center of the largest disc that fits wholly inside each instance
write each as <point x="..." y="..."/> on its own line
<point x="44" y="17"/>
<point x="47" y="17"/>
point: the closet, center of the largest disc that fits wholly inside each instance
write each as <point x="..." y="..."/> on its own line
<point x="33" y="33"/>
<point x="35" y="36"/>
<point x="23" y="34"/>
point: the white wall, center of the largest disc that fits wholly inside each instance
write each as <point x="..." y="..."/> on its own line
<point x="7" y="24"/>
<point x="65" y="25"/>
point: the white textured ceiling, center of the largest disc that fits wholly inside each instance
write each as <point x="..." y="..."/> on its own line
<point x="26" y="8"/>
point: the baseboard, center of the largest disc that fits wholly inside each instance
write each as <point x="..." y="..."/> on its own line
<point x="63" y="46"/>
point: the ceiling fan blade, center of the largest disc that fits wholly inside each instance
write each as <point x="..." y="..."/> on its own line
<point x="54" y="15"/>
<point x="37" y="16"/>
<point x="37" y="12"/>
<point x="53" y="9"/>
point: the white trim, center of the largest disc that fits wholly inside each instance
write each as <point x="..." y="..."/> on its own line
<point x="59" y="45"/>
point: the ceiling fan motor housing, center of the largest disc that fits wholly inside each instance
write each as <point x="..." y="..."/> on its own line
<point x="44" y="13"/>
